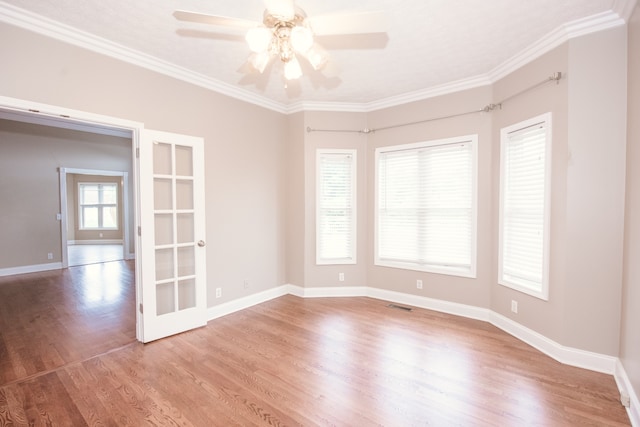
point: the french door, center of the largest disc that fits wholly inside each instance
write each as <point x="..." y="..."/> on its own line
<point x="172" y="234"/>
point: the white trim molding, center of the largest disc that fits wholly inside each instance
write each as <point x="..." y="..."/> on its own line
<point x="24" y="269"/>
<point x="246" y="302"/>
<point x="95" y="242"/>
<point x="625" y="387"/>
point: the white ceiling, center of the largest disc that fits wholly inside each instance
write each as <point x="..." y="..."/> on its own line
<point x="430" y="45"/>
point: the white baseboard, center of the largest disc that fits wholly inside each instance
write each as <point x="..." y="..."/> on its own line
<point x="130" y="255"/>
<point x="625" y="387"/>
<point x="246" y="302"/>
<point x="95" y="242"/>
<point x="430" y="304"/>
<point x="567" y="355"/>
<point x="30" y="269"/>
<point x="328" y="292"/>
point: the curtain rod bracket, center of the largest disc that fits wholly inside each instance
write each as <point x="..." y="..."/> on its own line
<point x="490" y="107"/>
<point x="556" y="76"/>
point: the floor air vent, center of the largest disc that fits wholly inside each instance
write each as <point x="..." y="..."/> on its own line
<point x="399" y="307"/>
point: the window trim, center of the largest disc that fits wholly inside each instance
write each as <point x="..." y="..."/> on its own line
<point x="545" y="118"/>
<point x="352" y="259"/>
<point x="471" y="272"/>
<point x="81" y="205"/>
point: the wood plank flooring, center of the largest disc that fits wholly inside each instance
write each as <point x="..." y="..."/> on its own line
<point x="53" y="318"/>
<point x="338" y="362"/>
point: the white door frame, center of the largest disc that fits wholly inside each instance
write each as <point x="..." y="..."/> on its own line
<point x="64" y="211"/>
<point x="38" y="113"/>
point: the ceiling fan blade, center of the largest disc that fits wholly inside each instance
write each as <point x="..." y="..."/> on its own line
<point x="351" y="23"/>
<point x="281" y="8"/>
<point x="203" y="18"/>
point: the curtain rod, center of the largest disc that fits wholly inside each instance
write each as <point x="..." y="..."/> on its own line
<point x="555" y="77"/>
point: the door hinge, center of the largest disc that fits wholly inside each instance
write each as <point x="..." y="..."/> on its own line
<point x="139" y="231"/>
<point x="141" y="311"/>
<point x="137" y="152"/>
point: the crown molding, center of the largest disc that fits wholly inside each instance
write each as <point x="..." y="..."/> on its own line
<point x="432" y="92"/>
<point x="342" y="107"/>
<point x="624" y="8"/>
<point x="56" y="30"/>
<point x="620" y="13"/>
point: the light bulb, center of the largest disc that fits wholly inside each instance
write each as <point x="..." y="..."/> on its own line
<point x="259" y="39"/>
<point x="301" y="39"/>
<point x="292" y="69"/>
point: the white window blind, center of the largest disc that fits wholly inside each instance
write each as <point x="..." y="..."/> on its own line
<point x="524" y="206"/>
<point x="98" y="206"/>
<point x="336" y="207"/>
<point x="425" y="213"/>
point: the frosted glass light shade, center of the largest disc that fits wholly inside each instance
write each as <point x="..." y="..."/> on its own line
<point x="317" y="56"/>
<point x="259" y="39"/>
<point x="292" y="69"/>
<point x="301" y="39"/>
<point x="259" y="61"/>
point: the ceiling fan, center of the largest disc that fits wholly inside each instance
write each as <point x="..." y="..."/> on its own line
<point x="286" y="32"/>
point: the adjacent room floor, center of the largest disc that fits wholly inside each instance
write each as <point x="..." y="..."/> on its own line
<point x="92" y="254"/>
<point x="68" y="356"/>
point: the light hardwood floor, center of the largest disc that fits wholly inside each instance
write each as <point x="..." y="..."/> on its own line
<point x="293" y="361"/>
<point x="92" y="254"/>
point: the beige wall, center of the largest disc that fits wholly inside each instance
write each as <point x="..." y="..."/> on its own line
<point x="30" y="156"/>
<point x="629" y="342"/>
<point x="595" y="190"/>
<point x="327" y="275"/>
<point x="295" y="201"/>
<point x="545" y="317"/>
<point x="245" y="166"/>
<point x="73" y="226"/>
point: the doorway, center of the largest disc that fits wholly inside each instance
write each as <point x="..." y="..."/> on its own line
<point x="29" y="113"/>
<point x="168" y="192"/>
<point x="95" y="215"/>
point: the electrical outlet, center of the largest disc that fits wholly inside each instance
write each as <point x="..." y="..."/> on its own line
<point x="218" y="292"/>
<point x="341" y="277"/>
<point x="514" y="306"/>
<point x="50" y="255"/>
<point x="625" y="399"/>
<point x="246" y="284"/>
<point x="419" y="284"/>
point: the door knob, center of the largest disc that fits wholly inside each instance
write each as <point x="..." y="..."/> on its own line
<point x="201" y="243"/>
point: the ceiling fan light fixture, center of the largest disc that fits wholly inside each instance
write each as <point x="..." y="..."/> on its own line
<point x="282" y="9"/>
<point x="292" y="69"/>
<point x="259" y="61"/>
<point x="259" y="39"/>
<point x="317" y="56"/>
<point x="301" y="39"/>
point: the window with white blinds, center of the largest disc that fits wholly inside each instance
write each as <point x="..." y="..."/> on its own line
<point x="98" y="206"/>
<point x="336" y="207"/>
<point x="426" y="206"/>
<point x="524" y="206"/>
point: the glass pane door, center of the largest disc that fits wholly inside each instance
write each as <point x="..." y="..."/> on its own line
<point x="174" y="227"/>
<point x="174" y="285"/>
